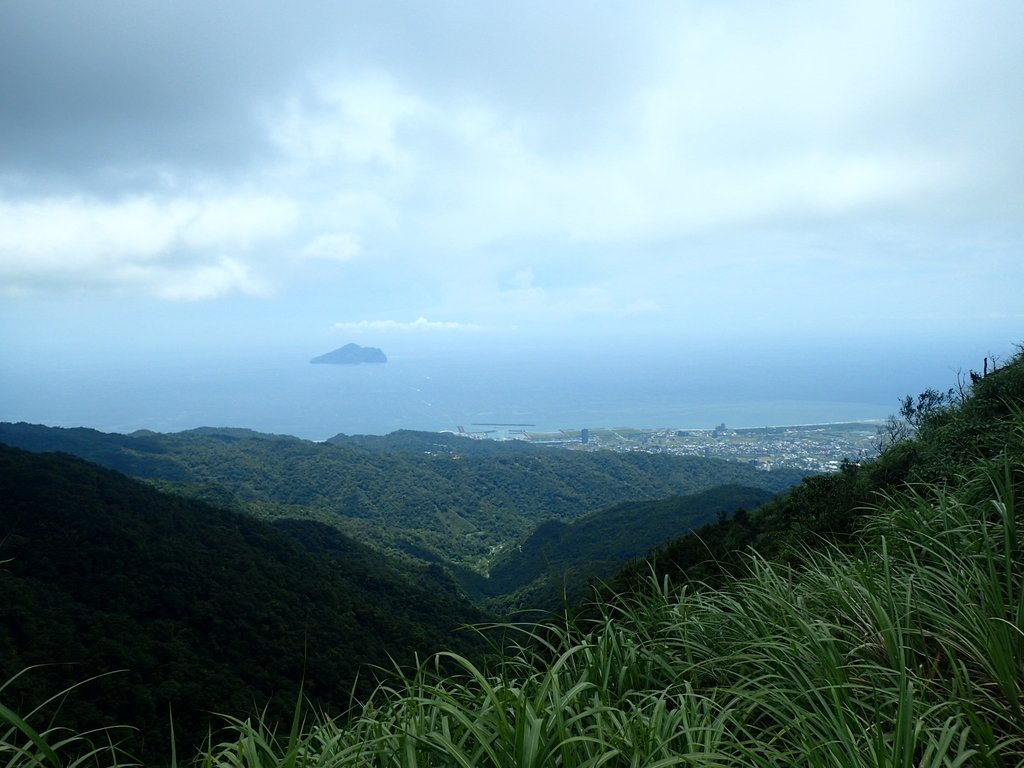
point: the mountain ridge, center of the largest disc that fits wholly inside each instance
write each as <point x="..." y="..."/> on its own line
<point x="431" y="496"/>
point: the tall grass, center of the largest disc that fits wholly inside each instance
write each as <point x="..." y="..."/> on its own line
<point x="907" y="653"/>
<point x="26" y="743"/>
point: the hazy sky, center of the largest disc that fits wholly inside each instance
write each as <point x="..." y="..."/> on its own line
<point x="226" y="173"/>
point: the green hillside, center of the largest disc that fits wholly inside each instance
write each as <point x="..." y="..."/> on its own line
<point x="558" y="561"/>
<point x="435" y="497"/>
<point x="205" y="610"/>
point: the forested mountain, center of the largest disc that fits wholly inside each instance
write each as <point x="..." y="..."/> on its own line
<point x="436" y="497"/>
<point x="557" y="562"/>
<point x="204" y="610"/>
<point x="211" y="610"/>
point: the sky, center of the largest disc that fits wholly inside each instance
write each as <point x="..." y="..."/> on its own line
<point x="229" y="175"/>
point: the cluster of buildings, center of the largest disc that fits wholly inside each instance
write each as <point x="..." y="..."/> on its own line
<point x="815" y="447"/>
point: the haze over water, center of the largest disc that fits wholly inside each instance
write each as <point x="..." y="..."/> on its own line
<point x="443" y="390"/>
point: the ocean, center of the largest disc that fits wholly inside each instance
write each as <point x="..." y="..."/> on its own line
<point x="545" y="392"/>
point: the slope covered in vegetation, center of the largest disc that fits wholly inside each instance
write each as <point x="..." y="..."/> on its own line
<point x="559" y="561"/>
<point x="203" y="609"/>
<point x="435" y="497"/>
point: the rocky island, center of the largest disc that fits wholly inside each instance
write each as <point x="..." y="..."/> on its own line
<point x="352" y="354"/>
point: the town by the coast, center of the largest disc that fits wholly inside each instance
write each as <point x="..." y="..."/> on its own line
<point x="811" y="447"/>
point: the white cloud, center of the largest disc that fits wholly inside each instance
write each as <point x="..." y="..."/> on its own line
<point x="201" y="283"/>
<point x="236" y="220"/>
<point x="750" y="118"/>
<point x="419" y="324"/>
<point x="177" y="248"/>
<point x="76" y="234"/>
<point x="345" y="120"/>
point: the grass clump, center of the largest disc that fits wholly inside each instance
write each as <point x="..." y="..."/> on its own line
<point x="25" y="743"/>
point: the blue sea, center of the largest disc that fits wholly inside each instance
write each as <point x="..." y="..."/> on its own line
<point x="548" y="391"/>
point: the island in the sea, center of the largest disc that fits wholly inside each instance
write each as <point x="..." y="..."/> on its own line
<point x="352" y="354"/>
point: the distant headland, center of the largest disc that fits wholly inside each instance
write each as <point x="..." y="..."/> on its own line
<point x="352" y="354"/>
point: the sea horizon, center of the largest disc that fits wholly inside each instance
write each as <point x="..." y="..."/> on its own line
<point x="289" y="396"/>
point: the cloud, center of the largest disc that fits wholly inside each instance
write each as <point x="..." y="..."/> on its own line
<point x="699" y="147"/>
<point x="176" y="248"/>
<point x="348" y="120"/>
<point x="419" y="324"/>
<point x="540" y="164"/>
<point x="201" y="283"/>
